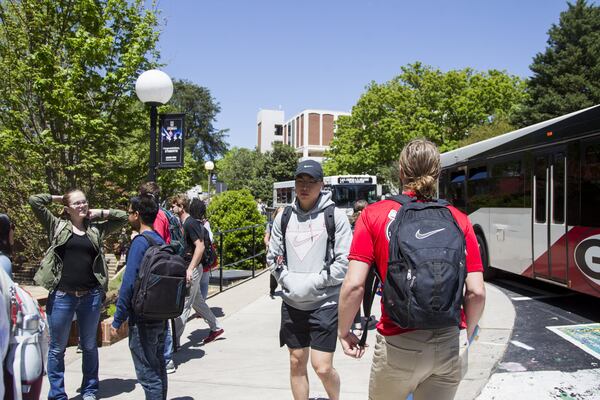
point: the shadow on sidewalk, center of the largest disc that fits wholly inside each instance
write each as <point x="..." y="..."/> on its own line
<point x="218" y="311"/>
<point x="112" y="387"/>
<point x="183" y="398"/>
<point x="185" y="352"/>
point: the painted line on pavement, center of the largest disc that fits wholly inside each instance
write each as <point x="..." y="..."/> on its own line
<point x="521" y="345"/>
<point x="549" y="296"/>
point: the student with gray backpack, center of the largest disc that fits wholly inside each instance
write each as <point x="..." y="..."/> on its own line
<point x="307" y="254"/>
<point x="424" y="252"/>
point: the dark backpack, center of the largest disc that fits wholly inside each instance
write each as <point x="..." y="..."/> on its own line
<point x="176" y="232"/>
<point x="160" y="288"/>
<point x="426" y="271"/>
<point x="329" y="226"/>
<point x="209" y="257"/>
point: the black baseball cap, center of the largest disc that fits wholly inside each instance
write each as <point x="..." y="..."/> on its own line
<point x="311" y="168"/>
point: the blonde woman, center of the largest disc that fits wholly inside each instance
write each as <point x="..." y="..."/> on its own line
<point x="74" y="272"/>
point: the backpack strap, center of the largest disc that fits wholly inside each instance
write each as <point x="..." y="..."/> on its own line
<point x="403" y="199"/>
<point x="371" y="285"/>
<point x="285" y="219"/>
<point x="149" y="238"/>
<point x="330" y="226"/>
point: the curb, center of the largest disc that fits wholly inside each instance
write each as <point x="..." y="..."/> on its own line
<point x="496" y="326"/>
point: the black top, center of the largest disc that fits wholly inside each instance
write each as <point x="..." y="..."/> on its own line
<point x="192" y="231"/>
<point x="77" y="255"/>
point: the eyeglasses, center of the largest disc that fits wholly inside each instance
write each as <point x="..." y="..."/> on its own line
<point x="307" y="183"/>
<point x="130" y="212"/>
<point x="79" y="203"/>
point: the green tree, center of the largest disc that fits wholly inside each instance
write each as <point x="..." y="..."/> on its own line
<point x="69" y="115"/>
<point x="231" y="210"/>
<point x="238" y="168"/>
<point x="482" y="132"/>
<point x="203" y="140"/>
<point x="566" y="76"/>
<point x="256" y="171"/>
<point x="281" y="162"/>
<point x="420" y="102"/>
<point x="68" y="68"/>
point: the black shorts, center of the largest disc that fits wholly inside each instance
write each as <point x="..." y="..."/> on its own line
<point x="315" y="328"/>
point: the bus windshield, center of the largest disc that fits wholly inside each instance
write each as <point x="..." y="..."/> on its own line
<point x="345" y="195"/>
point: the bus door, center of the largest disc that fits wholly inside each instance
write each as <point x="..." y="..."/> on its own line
<point x="549" y="215"/>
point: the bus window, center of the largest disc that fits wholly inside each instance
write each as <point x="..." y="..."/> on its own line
<point x="590" y="186"/>
<point x="478" y="188"/>
<point x="540" y="189"/>
<point x="442" y="185"/>
<point x="558" y="181"/>
<point x="508" y="185"/>
<point x="456" y="190"/>
<point x="346" y="195"/>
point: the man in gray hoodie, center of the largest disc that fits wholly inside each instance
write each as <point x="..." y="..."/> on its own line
<point x="310" y="269"/>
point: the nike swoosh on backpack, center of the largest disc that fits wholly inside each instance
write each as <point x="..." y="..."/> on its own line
<point x="420" y="235"/>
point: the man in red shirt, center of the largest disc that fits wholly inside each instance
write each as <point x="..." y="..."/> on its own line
<point x="161" y="224"/>
<point x="422" y="362"/>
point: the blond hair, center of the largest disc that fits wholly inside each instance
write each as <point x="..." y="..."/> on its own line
<point x="420" y="167"/>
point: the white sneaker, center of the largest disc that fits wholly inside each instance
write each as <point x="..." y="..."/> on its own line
<point x="171" y="367"/>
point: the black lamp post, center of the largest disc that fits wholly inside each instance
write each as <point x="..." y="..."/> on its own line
<point x="154" y="88"/>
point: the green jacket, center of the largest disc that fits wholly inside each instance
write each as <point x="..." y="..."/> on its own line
<point x="60" y="230"/>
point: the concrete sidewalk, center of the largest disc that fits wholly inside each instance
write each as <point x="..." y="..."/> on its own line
<point x="247" y="362"/>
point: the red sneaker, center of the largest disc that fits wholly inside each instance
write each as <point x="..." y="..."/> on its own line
<point x="213" y="335"/>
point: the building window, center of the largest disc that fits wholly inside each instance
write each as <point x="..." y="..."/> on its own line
<point x="278" y="130"/>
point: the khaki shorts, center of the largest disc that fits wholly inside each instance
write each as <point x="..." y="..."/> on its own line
<point x="423" y="362"/>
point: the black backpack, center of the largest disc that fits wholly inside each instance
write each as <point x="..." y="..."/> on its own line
<point x="329" y="226"/>
<point x="209" y="257"/>
<point x="426" y="271"/>
<point x="176" y="232"/>
<point x="160" y="288"/>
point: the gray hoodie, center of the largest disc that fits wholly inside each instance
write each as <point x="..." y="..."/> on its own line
<point x="306" y="285"/>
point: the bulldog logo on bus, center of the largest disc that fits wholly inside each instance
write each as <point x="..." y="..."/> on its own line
<point x="587" y="257"/>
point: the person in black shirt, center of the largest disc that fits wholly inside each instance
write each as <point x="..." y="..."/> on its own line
<point x="194" y="232"/>
<point x="76" y="276"/>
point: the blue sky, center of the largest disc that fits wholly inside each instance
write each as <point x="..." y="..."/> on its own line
<point x="321" y="54"/>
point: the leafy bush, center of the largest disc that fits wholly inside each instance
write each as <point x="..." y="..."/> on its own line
<point x="231" y="210"/>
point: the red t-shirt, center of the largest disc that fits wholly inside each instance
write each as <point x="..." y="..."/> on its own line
<point x="161" y="226"/>
<point x="370" y="245"/>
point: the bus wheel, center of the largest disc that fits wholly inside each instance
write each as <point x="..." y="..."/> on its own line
<point x="489" y="273"/>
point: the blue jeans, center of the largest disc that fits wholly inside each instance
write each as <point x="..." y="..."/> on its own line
<point x="147" y="344"/>
<point x="60" y="309"/>
<point x="168" y="354"/>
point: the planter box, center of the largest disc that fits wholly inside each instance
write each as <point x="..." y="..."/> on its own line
<point x="104" y="329"/>
<point x="103" y="337"/>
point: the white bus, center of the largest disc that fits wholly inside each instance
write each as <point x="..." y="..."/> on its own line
<point x="533" y="196"/>
<point x="346" y="190"/>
